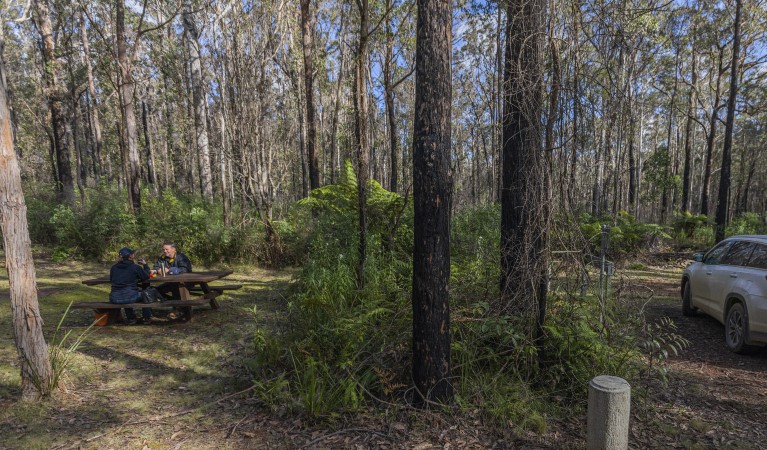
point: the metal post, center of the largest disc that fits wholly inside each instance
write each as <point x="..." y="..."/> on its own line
<point x="602" y="257"/>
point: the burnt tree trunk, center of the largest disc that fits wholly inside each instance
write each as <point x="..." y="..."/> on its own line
<point x="432" y="197"/>
<point x="523" y="226"/>
<point x="723" y="204"/>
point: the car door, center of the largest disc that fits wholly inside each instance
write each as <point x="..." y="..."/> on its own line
<point x="755" y="283"/>
<point x="700" y="279"/>
<point x="727" y="276"/>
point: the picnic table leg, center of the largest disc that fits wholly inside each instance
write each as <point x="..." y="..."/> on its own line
<point x="206" y="290"/>
<point x="185" y="295"/>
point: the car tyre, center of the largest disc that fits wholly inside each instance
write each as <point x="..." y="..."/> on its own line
<point x="736" y="329"/>
<point x="687" y="308"/>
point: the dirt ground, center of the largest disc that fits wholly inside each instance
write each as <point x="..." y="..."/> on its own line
<point x="714" y="398"/>
<point x="185" y="385"/>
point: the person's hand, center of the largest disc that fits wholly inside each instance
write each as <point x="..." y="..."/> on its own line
<point x="142" y="261"/>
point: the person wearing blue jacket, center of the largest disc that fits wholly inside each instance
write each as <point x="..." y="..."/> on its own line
<point x="125" y="277"/>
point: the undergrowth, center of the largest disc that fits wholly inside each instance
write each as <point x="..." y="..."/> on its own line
<point x="342" y="349"/>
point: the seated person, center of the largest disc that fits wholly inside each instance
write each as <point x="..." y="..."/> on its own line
<point x="125" y="277"/>
<point x="171" y="262"/>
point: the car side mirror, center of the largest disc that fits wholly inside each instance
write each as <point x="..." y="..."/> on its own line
<point x="697" y="257"/>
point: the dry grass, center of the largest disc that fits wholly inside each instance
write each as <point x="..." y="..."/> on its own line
<point x="158" y="385"/>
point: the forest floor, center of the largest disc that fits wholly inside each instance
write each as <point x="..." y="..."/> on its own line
<point x="186" y="385"/>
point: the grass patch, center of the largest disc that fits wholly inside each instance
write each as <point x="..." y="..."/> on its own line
<point x="125" y="374"/>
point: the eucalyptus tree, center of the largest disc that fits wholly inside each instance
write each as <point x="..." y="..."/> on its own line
<point x="37" y="376"/>
<point x="308" y="19"/>
<point x="55" y="94"/>
<point x="199" y="100"/>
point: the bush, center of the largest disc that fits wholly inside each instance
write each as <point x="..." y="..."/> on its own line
<point x="627" y="235"/>
<point x="747" y="223"/>
<point x="341" y="344"/>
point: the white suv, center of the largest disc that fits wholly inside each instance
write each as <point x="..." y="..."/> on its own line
<point x="729" y="283"/>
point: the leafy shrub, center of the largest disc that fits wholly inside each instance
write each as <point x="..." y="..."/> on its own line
<point x="627" y="235"/>
<point x="747" y="223"/>
<point x="340" y="343"/>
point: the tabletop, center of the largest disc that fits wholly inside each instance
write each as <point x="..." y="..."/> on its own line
<point x="191" y="277"/>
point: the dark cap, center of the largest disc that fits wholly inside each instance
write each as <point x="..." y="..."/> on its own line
<point x="125" y="252"/>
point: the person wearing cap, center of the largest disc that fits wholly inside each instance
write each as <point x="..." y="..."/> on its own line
<point x="125" y="277"/>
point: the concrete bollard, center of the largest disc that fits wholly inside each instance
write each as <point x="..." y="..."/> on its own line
<point x="608" y="414"/>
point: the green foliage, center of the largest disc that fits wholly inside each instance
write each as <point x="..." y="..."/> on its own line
<point x="687" y="223"/>
<point x="105" y="223"/>
<point x="341" y="343"/>
<point x="627" y="235"/>
<point x="579" y="347"/>
<point x="747" y="223"/>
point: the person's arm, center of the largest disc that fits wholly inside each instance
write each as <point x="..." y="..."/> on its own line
<point x="183" y="263"/>
<point x="143" y="275"/>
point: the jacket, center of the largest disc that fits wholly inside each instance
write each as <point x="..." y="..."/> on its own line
<point x="181" y="261"/>
<point x="124" y="278"/>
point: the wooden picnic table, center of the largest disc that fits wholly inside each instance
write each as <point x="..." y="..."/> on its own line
<point x="184" y="285"/>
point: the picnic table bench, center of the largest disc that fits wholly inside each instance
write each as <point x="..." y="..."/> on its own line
<point x="183" y="284"/>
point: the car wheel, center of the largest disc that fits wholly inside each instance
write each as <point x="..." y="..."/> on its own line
<point x="687" y="308"/>
<point x="735" y="329"/>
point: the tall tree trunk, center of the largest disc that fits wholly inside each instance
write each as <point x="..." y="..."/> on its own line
<point x="432" y="198"/>
<point x="632" y="190"/>
<point x="704" y="200"/>
<point x="95" y="122"/>
<point x="334" y="152"/>
<point x="522" y="225"/>
<point x="664" y="196"/>
<point x="723" y="205"/>
<point x="198" y="98"/>
<point x="55" y="94"/>
<point x="307" y="40"/>
<point x="36" y="372"/>
<point x="361" y="135"/>
<point x="389" y="99"/>
<point x="127" y="109"/>
<point x="688" y="133"/>
<point x="150" y="170"/>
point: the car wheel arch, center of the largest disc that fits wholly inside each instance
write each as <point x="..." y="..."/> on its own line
<point x="731" y="300"/>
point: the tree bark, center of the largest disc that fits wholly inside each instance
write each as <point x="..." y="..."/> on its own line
<point x="432" y="199"/>
<point x="723" y="205"/>
<point x="704" y="200"/>
<point x="361" y="135"/>
<point x="55" y="93"/>
<point x="127" y="109"/>
<point x="521" y="225"/>
<point x="36" y="372"/>
<point x="307" y="40"/>
<point x="200" y="104"/>
<point x="98" y="140"/>
<point x="688" y="133"/>
<point x="389" y="99"/>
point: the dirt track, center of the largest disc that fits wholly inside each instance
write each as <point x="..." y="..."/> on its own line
<point x="714" y="398"/>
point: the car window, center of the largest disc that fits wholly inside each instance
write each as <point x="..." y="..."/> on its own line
<point x="715" y="254"/>
<point x="738" y="253"/>
<point x="759" y="257"/>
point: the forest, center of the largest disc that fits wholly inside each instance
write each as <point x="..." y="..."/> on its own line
<point x="440" y="178"/>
